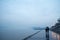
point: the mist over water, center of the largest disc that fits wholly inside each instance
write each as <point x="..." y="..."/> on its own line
<point x="15" y="34"/>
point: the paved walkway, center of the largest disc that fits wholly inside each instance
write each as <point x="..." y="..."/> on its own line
<point x="42" y="36"/>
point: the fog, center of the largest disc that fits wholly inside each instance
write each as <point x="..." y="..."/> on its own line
<point x="19" y="16"/>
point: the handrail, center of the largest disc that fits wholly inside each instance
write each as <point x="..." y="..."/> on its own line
<point x="30" y="35"/>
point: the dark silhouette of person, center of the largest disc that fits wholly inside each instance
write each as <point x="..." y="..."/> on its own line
<point x="47" y="33"/>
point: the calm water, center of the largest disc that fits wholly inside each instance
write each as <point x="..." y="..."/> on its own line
<point x="19" y="34"/>
<point x="16" y="34"/>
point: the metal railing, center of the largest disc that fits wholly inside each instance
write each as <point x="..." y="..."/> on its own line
<point x="30" y="36"/>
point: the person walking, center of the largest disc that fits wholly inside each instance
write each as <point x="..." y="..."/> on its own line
<point x="47" y="33"/>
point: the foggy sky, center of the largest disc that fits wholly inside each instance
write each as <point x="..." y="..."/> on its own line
<point x="29" y="13"/>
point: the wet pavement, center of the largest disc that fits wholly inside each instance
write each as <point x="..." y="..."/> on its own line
<point x="42" y="36"/>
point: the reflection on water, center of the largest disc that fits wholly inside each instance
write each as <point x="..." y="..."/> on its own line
<point x="55" y="36"/>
